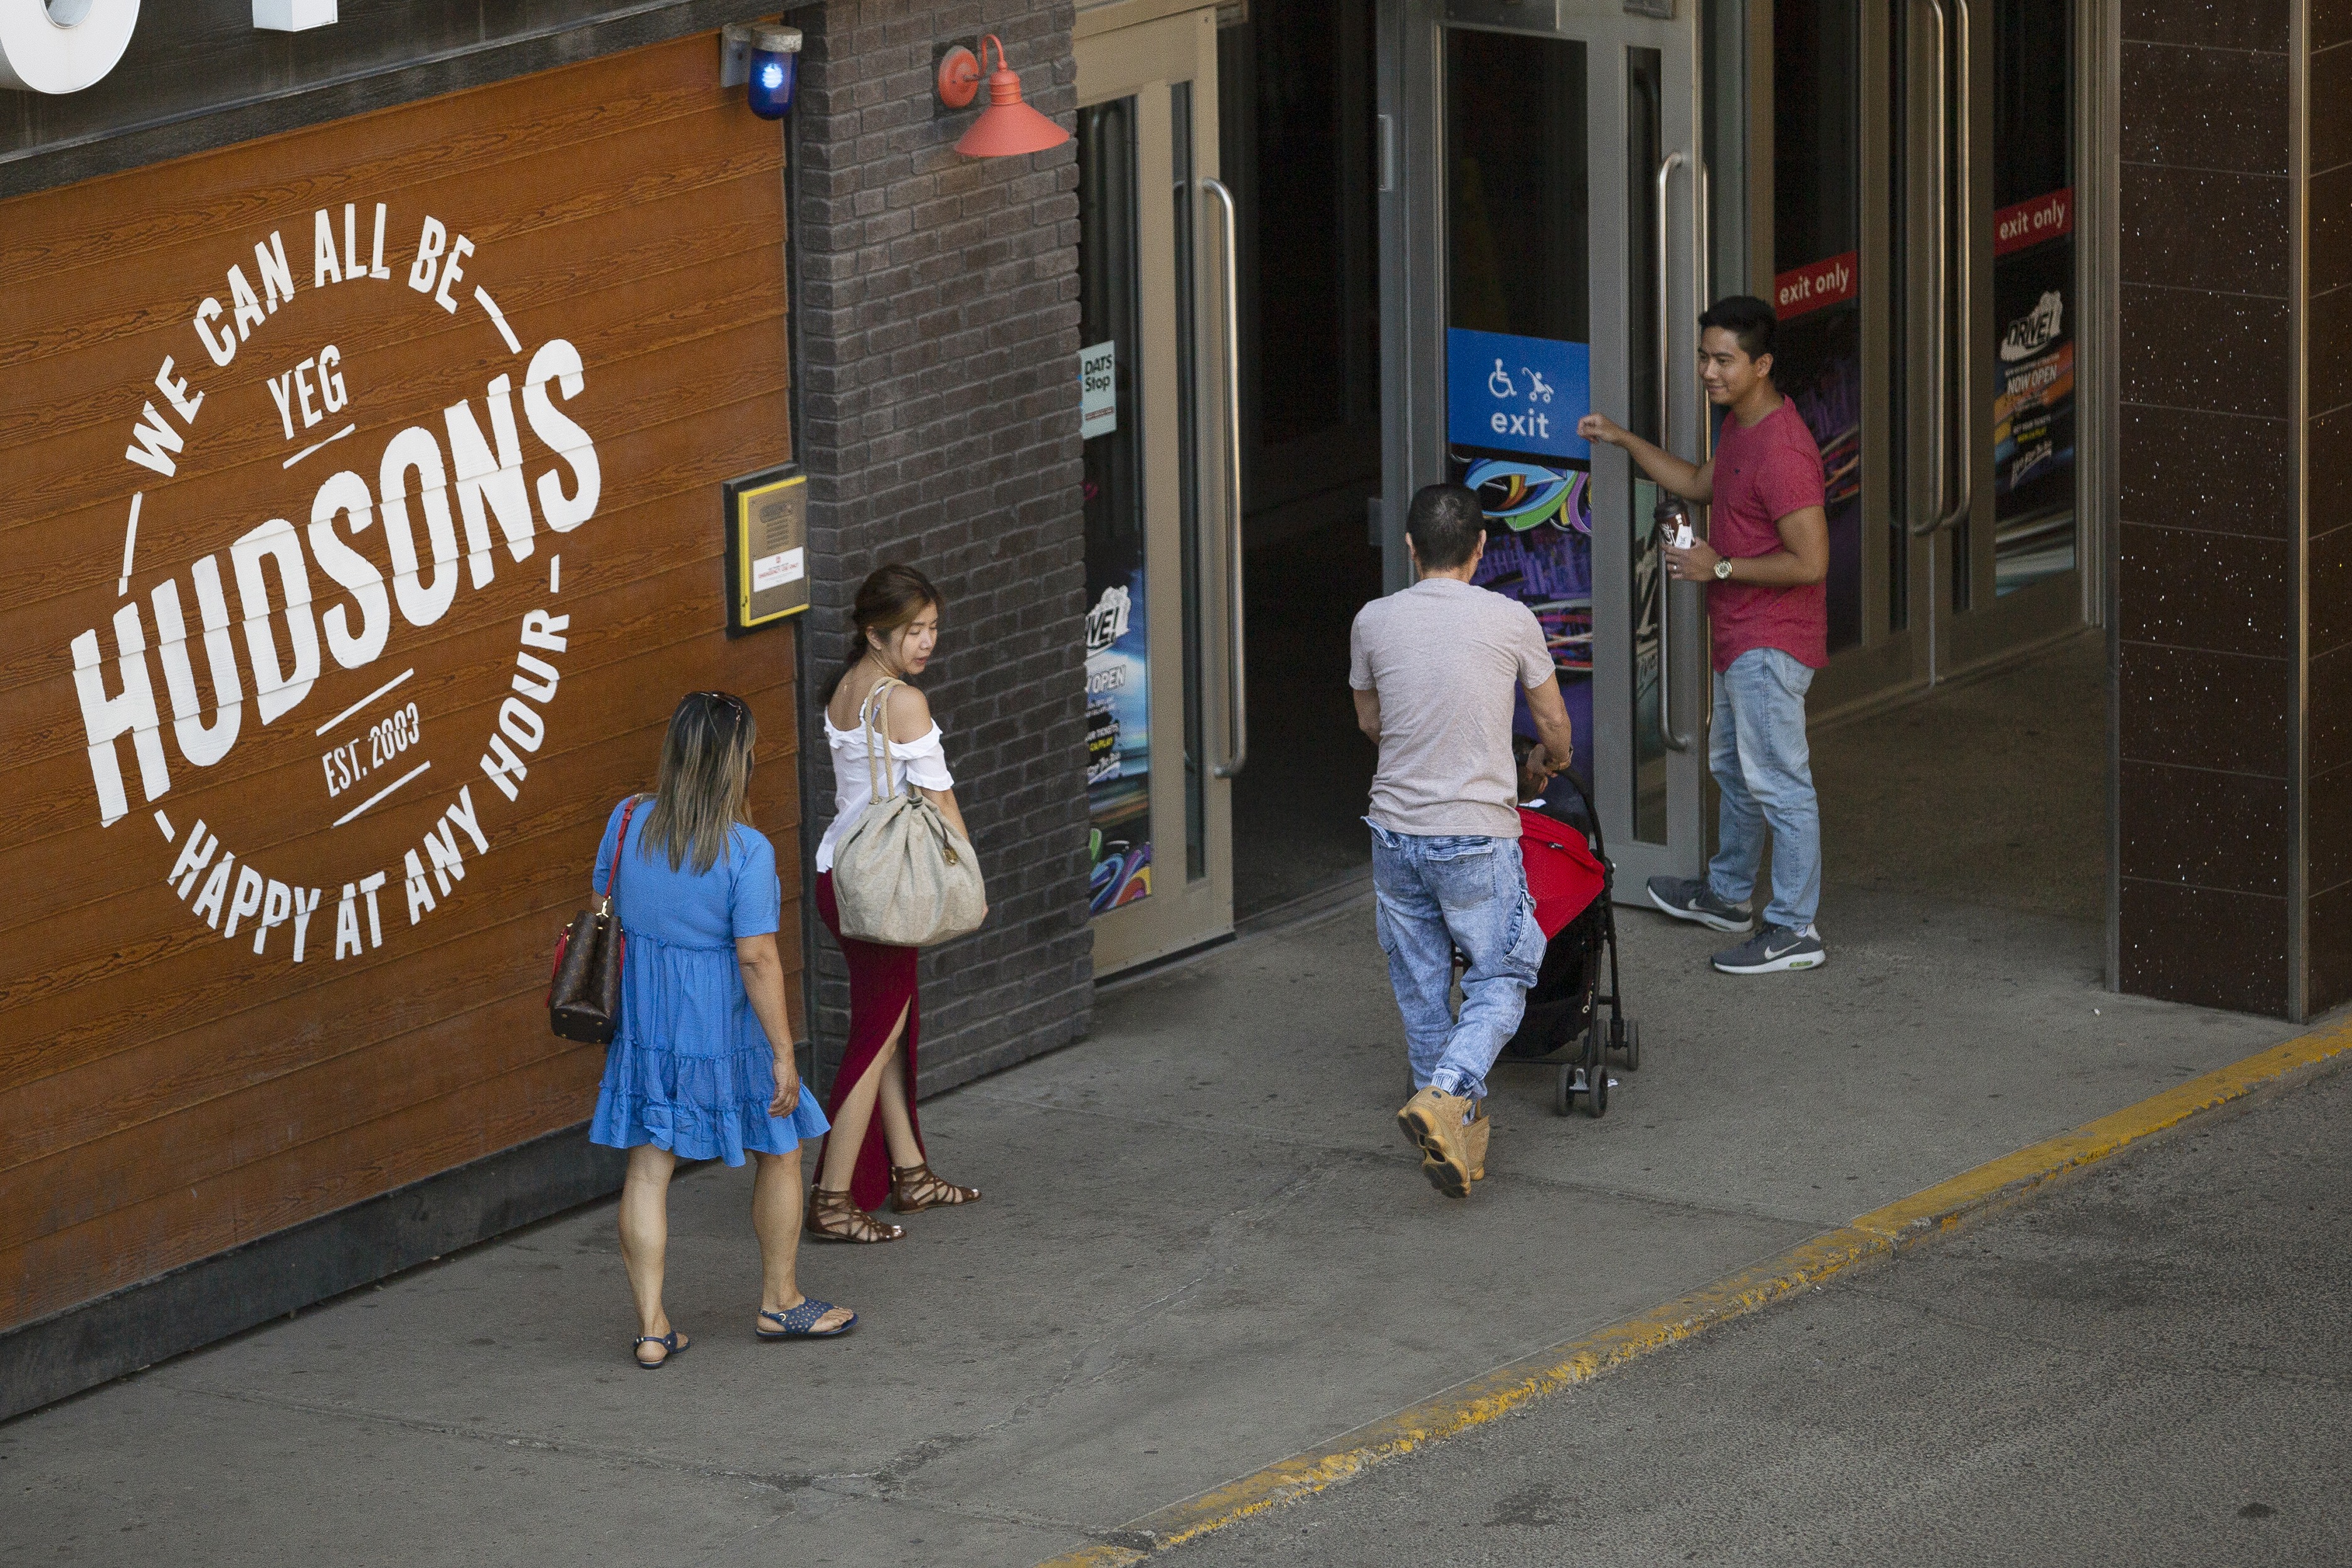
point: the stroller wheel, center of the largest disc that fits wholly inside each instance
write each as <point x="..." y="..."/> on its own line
<point x="1628" y="1041"/>
<point x="1563" y="1098"/>
<point x="1596" y="1095"/>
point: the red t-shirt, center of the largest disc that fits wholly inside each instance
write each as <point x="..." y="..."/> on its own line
<point x="1763" y="472"/>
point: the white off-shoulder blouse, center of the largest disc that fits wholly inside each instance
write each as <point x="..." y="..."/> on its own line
<point x="921" y="763"/>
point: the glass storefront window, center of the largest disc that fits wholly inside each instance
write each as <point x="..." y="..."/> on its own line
<point x="1817" y="263"/>
<point x="1119" y="685"/>
<point x="2034" y="288"/>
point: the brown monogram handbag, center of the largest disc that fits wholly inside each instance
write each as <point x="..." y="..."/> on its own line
<point x="584" y="999"/>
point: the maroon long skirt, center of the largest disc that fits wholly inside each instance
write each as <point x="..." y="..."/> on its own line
<point x="881" y="985"/>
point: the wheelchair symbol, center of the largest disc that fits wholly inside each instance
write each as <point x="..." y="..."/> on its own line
<point x="1538" y="389"/>
<point x="1499" y="385"/>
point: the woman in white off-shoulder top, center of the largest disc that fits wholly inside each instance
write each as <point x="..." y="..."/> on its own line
<point x="896" y="620"/>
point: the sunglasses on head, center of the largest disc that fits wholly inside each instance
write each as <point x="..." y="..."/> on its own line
<point x="726" y="703"/>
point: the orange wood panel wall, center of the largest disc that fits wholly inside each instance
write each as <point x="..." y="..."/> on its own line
<point x="534" y="326"/>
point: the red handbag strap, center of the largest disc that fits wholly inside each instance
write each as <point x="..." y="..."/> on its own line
<point x="613" y="883"/>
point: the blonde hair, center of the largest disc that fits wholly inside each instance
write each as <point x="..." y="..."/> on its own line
<point x="705" y="785"/>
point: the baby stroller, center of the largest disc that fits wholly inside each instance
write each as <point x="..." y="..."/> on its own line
<point x="1569" y="877"/>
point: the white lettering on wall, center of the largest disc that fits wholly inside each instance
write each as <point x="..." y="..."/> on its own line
<point x="202" y="745"/>
<point x="131" y="711"/>
<point x="558" y="362"/>
<point x="492" y="481"/>
<point x="266" y="626"/>
<point x="277" y="685"/>
<point x="347" y="495"/>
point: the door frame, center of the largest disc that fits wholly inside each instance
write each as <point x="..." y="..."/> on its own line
<point x="1414" y="314"/>
<point x="1900" y="320"/>
<point x="1140" y="50"/>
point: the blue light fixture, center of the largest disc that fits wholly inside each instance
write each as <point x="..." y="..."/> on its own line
<point x="775" y="63"/>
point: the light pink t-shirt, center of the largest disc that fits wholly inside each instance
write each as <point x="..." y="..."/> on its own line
<point x="1446" y="659"/>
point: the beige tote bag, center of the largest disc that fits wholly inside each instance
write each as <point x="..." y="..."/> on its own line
<point x="902" y="877"/>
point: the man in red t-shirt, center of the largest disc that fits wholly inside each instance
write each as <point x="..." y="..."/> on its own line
<point x="1763" y="560"/>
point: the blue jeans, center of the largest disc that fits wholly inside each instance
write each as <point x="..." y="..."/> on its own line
<point x="1435" y="895"/>
<point x="1758" y="754"/>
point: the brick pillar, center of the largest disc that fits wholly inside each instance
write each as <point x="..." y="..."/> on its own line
<point x="2327" y="512"/>
<point x="938" y="321"/>
<point x="2205" y="601"/>
<point x="2235" y="644"/>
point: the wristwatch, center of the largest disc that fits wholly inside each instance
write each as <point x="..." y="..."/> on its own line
<point x="1722" y="568"/>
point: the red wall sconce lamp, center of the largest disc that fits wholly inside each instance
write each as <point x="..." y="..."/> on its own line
<point x="1007" y="127"/>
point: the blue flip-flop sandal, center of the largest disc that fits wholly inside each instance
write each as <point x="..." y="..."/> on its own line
<point x="800" y="1322"/>
<point x="670" y="1346"/>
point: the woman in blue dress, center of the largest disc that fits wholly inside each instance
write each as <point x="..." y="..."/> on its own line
<point x="701" y="1066"/>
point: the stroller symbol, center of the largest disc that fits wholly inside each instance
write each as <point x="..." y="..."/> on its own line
<point x="1538" y="389"/>
<point x="1500" y="384"/>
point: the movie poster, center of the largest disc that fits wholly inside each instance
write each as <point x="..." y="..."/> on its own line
<point x="1817" y="366"/>
<point x="1118" y="741"/>
<point x="2033" y="380"/>
<point x="1118" y="665"/>
<point x="1118" y="668"/>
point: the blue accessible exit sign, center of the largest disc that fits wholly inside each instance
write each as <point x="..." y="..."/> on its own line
<point x="1516" y="394"/>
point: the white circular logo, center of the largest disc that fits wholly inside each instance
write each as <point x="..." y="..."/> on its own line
<point x="340" y="627"/>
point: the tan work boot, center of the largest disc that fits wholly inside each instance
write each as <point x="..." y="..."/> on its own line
<point x="1473" y="1140"/>
<point x="1434" y="1122"/>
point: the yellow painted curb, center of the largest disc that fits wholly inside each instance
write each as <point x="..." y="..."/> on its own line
<point x="1898" y="1224"/>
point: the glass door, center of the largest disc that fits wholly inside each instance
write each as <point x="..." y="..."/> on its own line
<point x="1824" y="222"/>
<point x="1540" y="225"/>
<point x="1986" y="107"/>
<point x="1910" y="200"/>
<point x="1164" y="735"/>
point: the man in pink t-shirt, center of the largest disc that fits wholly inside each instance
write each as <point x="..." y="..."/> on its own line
<point x="1763" y="560"/>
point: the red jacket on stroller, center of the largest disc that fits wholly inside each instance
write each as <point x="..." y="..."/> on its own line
<point x="1563" y="878"/>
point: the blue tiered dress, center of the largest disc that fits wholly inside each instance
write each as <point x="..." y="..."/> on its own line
<point x="690" y="1070"/>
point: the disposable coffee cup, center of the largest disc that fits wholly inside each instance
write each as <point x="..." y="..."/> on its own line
<point x="1673" y="522"/>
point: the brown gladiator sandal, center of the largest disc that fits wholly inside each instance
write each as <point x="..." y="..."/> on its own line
<point x="916" y="1187"/>
<point x="832" y="1216"/>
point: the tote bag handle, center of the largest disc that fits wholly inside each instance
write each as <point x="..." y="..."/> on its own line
<point x="881" y="787"/>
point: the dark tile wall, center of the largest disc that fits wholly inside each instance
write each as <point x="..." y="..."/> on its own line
<point x="2206" y="607"/>
<point x="938" y="314"/>
<point x="2327" y="282"/>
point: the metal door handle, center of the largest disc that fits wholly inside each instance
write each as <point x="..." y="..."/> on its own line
<point x="1667" y="168"/>
<point x="1963" y="251"/>
<point x="1952" y="343"/>
<point x="1236" y="659"/>
<point x="1674" y="739"/>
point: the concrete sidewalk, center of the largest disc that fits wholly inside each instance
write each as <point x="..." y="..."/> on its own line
<point x="2144" y="1365"/>
<point x="1204" y="1247"/>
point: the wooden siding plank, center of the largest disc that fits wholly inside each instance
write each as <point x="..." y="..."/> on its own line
<point x="659" y="480"/>
<point x="83" y="995"/>
<point x="722" y="207"/>
<point x="149" y="1073"/>
<point x="192" y="1221"/>
<point x="735" y="305"/>
<point x="118" y="220"/>
<point x="163" y="1092"/>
